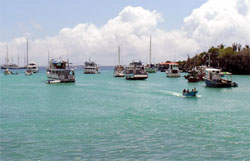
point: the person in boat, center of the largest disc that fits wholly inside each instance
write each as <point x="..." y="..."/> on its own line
<point x="184" y="91"/>
<point x="187" y="90"/>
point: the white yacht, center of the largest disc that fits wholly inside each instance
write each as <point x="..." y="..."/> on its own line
<point x="60" y="72"/>
<point x="135" y="71"/>
<point x="33" y="67"/>
<point x="91" y="68"/>
<point x="173" y="70"/>
<point x="119" y="69"/>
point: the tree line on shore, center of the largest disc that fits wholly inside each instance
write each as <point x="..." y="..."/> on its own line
<point x="234" y="59"/>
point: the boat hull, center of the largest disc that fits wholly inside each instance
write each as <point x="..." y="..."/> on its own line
<point x="190" y="94"/>
<point x="8" y="67"/>
<point x="218" y="84"/>
<point x="151" y="70"/>
<point x="193" y="79"/>
<point x="136" y="77"/>
<point x="119" y="75"/>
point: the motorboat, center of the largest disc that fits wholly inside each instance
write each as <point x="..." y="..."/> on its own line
<point x="213" y="78"/>
<point x="135" y="71"/>
<point x="173" y="70"/>
<point x="90" y="67"/>
<point x="188" y="93"/>
<point x="33" y="67"/>
<point x="59" y="70"/>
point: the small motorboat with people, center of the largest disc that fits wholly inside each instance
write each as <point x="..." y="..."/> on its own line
<point x="196" y="74"/>
<point x="28" y="72"/>
<point x="213" y="79"/>
<point x="188" y="93"/>
<point x="7" y="72"/>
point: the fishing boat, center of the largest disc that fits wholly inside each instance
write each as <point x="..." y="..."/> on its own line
<point x="28" y="72"/>
<point x="91" y="67"/>
<point x="33" y="67"/>
<point x="150" y="68"/>
<point x="196" y="74"/>
<point x="188" y="93"/>
<point x="173" y="70"/>
<point x="59" y="70"/>
<point x="119" y="69"/>
<point x="213" y="78"/>
<point x="135" y="71"/>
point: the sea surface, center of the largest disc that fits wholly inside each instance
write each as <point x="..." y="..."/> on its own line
<point x="100" y="117"/>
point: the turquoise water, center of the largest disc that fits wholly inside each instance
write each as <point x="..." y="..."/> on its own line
<point x="105" y="118"/>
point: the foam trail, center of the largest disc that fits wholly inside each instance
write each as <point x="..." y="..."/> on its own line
<point x="176" y="94"/>
<point x="172" y="93"/>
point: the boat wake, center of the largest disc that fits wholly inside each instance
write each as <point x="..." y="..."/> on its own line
<point x="85" y="84"/>
<point x="171" y="93"/>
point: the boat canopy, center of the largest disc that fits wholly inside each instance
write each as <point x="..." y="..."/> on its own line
<point x="225" y="73"/>
<point x="213" y="70"/>
<point x="58" y="61"/>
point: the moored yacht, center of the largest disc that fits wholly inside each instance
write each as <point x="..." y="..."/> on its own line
<point x="173" y="70"/>
<point x="135" y="71"/>
<point x="33" y="67"/>
<point x="91" y="67"/>
<point x="10" y="65"/>
<point x="213" y="78"/>
<point x="119" y="69"/>
<point x="60" y="72"/>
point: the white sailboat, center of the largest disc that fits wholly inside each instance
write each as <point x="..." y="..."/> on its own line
<point x="150" y="68"/>
<point x="119" y="69"/>
<point x="32" y="65"/>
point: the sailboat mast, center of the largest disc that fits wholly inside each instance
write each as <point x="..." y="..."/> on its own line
<point x="27" y="52"/>
<point x="18" y="58"/>
<point x="150" y="53"/>
<point x="48" y="56"/>
<point x="119" y="55"/>
<point x="7" y="57"/>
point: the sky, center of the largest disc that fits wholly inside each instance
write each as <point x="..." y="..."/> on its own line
<point x="83" y="29"/>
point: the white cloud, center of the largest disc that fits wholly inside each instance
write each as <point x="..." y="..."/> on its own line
<point x="215" y="22"/>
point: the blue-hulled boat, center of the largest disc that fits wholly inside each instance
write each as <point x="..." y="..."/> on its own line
<point x="189" y="94"/>
<point x="213" y="79"/>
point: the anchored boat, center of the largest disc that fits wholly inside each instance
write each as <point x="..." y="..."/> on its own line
<point x="213" y="78"/>
<point x="119" y="69"/>
<point x="135" y="71"/>
<point x="173" y="70"/>
<point x="91" y="68"/>
<point x="33" y="67"/>
<point x="59" y="71"/>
